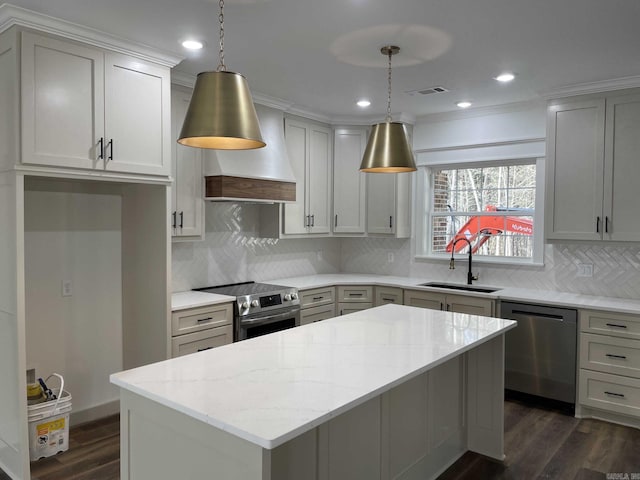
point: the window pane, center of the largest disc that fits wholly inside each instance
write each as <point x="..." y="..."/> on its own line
<point x="509" y="191"/>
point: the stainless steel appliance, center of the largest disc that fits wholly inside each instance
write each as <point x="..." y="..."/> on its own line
<point x="540" y="353"/>
<point x="260" y="308"/>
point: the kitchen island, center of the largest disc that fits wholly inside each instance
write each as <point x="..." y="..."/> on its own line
<point x="390" y="392"/>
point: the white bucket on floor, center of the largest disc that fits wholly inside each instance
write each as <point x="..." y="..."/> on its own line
<point x="49" y="425"/>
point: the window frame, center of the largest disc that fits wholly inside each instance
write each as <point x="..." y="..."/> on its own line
<point x="423" y="219"/>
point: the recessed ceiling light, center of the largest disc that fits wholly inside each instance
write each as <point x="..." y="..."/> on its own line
<point x="192" y="44"/>
<point x="364" y="103"/>
<point x="505" y="77"/>
<point x="464" y="104"/>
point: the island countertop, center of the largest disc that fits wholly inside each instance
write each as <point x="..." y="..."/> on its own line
<point x="270" y="389"/>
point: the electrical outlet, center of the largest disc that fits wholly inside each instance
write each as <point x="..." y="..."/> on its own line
<point x="585" y="270"/>
<point x="390" y="257"/>
<point x="67" y="288"/>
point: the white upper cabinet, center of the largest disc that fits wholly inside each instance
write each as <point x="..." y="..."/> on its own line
<point x="310" y="154"/>
<point x="388" y="204"/>
<point x="622" y="168"/>
<point x="187" y="202"/>
<point x="62" y="104"/>
<point x="83" y="107"/>
<point x="592" y="168"/>
<point x="575" y="170"/>
<point x="349" y="184"/>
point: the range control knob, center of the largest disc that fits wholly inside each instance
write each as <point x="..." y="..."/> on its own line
<point x="255" y="303"/>
<point x="287" y="297"/>
<point x="244" y="305"/>
<point x="294" y="296"/>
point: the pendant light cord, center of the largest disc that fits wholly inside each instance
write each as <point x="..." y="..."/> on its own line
<point x="221" y="66"/>
<point x="389" y="93"/>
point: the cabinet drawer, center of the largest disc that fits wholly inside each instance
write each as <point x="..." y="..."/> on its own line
<point x="617" y="324"/>
<point x="317" y="296"/>
<point x="610" y="392"/>
<point x="350" y="307"/>
<point x="610" y="354"/>
<point x="315" y="314"/>
<point x="388" y="295"/>
<point x="199" y="341"/>
<point x="355" y="293"/>
<point x="197" y="319"/>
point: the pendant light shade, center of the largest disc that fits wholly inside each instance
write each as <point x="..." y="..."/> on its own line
<point x="388" y="149"/>
<point x="221" y="114"/>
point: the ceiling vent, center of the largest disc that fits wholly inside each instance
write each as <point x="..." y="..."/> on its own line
<point x="428" y="91"/>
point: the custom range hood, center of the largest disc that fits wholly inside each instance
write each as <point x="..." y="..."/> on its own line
<point x="263" y="175"/>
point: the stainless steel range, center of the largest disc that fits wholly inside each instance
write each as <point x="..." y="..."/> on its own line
<point x="260" y="308"/>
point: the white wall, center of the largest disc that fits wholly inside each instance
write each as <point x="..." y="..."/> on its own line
<point x="233" y="251"/>
<point x="71" y="234"/>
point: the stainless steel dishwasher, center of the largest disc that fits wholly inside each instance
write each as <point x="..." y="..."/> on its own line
<point x="540" y="353"/>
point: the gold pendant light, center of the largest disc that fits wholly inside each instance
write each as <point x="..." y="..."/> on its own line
<point x="221" y="113"/>
<point x="388" y="149"/>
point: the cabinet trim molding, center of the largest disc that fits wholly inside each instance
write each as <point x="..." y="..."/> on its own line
<point x="11" y="15"/>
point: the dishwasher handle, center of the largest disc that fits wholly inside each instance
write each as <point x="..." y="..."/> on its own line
<point x="542" y="312"/>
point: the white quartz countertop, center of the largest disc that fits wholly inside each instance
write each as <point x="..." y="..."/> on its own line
<point x="270" y="389"/>
<point x="192" y="299"/>
<point x="544" y="297"/>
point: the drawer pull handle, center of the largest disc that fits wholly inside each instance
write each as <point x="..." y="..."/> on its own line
<point x="611" y="355"/>
<point x="613" y="394"/>
<point x="388" y="299"/>
<point x="355" y="294"/>
<point x="317" y="298"/>
<point x="200" y="320"/>
<point x="616" y="325"/>
<point x="203" y="349"/>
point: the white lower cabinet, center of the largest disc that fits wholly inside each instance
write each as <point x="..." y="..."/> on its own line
<point x="353" y="298"/>
<point x="384" y="295"/>
<point x="317" y="304"/>
<point x="449" y="302"/>
<point x="609" y="379"/>
<point x="197" y="329"/>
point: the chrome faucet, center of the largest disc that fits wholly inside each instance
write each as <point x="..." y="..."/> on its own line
<point x="470" y="276"/>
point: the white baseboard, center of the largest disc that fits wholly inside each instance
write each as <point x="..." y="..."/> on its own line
<point x="94" y="413"/>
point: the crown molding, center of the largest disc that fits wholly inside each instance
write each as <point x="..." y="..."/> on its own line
<point x="471" y="146"/>
<point x="10" y="16"/>
<point x="592" y="87"/>
<point x="182" y="78"/>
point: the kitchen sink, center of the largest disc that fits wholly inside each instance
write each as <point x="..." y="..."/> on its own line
<point x="455" y="286"/>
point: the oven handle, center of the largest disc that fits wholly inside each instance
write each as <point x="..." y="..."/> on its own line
<point x="294" y="312"/>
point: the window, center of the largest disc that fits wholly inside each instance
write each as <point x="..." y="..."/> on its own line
<point x="490" y="207"/>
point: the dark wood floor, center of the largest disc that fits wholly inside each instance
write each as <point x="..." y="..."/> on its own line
<point x="540" y="443"/>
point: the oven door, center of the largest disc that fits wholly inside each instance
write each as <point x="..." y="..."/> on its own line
<point x="264" y="324"/>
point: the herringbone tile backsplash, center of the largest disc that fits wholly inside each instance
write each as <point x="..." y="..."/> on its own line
<point x="234" y="251"/>
<point x="616" y="269"/>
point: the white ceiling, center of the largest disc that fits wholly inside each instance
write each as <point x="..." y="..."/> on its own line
<point x="287" y="48"/>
